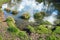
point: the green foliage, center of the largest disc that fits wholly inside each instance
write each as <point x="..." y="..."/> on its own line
<point x="57" y="31"/>
<point x="51" y="37"/>
<point x="1" y="37"/>
<point x="39" y="16"/>
<point x="31" y="28"/>
<point x="10" y="19"/>
<point x="13" y="29"/>
<point x="22" y="35"/>
<point x="43" y="30"/>
<point x="25" y="16"/>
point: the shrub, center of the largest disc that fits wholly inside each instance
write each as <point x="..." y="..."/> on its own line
<point x="25" y="16"/>
<point x="22" y="35"/>
<point x="42" y="29"/>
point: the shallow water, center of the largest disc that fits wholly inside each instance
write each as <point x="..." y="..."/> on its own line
<point x="32" y="7"/>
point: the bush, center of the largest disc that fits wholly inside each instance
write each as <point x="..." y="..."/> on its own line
<point x="22" y="35"/>
<point x="25" y="16"/>
<point x="43" y="30"/>
<point x="39" y="16"/>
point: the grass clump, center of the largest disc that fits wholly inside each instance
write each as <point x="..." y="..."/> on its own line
<point x="22" y="35"/>
<point x="25" y="16"/>
<point x="12" y="29"/>
<point x="14" y="12"/>
<point x="31" y="28"/>
<point x="43" y="30"/>
<point x="39" y="16"/>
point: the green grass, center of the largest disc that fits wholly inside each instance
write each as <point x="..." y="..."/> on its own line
<point x="14" y="30"/>
<point x="43" y="30"/>
<point x="1" y="37"/>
